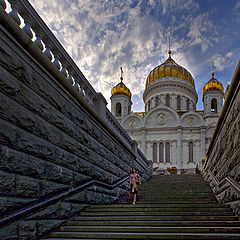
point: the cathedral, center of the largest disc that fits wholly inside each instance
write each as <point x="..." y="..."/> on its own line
<point x="170" y="132"/>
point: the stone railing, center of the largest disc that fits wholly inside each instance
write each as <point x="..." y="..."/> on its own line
<point x="56" y="133"/>
<point x="59" y="60"/>
<point x="36" y="29"/>
<point x="222" y="165"/>
<point x="55" y="56"/>
<point x="116" y="126"/>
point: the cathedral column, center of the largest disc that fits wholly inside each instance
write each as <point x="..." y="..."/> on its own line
<point x="143" y="142"/>
<point x="179" y="150"/>
<point x="203" y="144"/>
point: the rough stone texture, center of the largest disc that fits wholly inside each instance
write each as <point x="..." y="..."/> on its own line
<point x="7" y="185"/>
<point x="222" y="167"/>
<point x="49" y="144"/>
<point x="9" y="232"/>
<point x="27" y="230"/>
<point x="8" y="204"/>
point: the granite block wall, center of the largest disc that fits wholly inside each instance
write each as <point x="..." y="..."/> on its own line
<point x="222" y="166"/>
<point x="49" y="143"/>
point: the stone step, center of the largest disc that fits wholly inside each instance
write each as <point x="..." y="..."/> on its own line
<point x="153" y="214"/>
<point x="169" y="207"/>
<point x="174" y="198"/>
<point x="153" y="223"/>
<point x="156" y="204"/>
<point x="161" y="209"/>
<point x="177" y="191"/>
<point x="182" y="186"/>
<point x="159" y="218"/>
<point x="179" y="196"/>
<point x="148" y="229"/>
<point x="102" y="235"/>
<point x="172" y="202"/>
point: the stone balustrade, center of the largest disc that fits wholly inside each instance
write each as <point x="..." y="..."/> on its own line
<point x="47" y="43"/>
<point x="222" y="165"/>
<point x="50" y="46"/>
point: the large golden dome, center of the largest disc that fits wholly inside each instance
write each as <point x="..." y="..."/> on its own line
<point x="213" y="85"/>
<point x="170" y="69"/>
<point x="121" y="89"/>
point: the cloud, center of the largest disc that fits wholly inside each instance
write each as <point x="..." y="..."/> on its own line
<point x="103" y="35"/>
<point x="236" y="10"/>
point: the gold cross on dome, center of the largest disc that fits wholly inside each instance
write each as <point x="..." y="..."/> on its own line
<point x="213" y="68"/>
<point x="169" y="48"/>
<point x="121" y="73"/>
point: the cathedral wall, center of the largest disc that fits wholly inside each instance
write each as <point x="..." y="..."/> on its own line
<point x="222" y="165"/>
<point x="164" y="125"/>
<point x="181" y="88"/>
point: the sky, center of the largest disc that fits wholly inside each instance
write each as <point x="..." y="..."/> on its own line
<point x="103" y="35"/>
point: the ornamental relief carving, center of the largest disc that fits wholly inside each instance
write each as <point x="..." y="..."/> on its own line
<point x="132" y="123"/>
<point x="161" y="119"/>
<point x="191" y="121"/>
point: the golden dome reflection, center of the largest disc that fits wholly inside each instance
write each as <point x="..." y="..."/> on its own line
<point x="213" y="85"/>
<point x="170" y="69"/>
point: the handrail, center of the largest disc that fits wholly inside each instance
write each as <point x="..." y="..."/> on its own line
<point x="45" y="202"/>
<point x="226" y="179"/>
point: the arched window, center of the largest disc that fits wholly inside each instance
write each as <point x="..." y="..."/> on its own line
<point x="167" y="152"/>
<point x="161" y="153"/>
<point x="118" y="109"/>
<point x="178" y="103"/>
<point x="190" y="151"/>
<point x="214" y="105"/>
<point x="167" y="100"/>
<point x="188" y="104"/>
<point x="157" y="101"/>
<point x="155" y="152"/>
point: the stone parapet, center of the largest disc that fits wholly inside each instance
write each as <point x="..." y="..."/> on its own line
<point x="44" y="47"/>
<point x="222" y="165"/>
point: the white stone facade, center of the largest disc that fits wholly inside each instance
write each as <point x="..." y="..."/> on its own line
<point x="169" y="133"/>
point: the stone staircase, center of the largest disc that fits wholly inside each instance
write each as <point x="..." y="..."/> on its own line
<point x="171" y="207"/>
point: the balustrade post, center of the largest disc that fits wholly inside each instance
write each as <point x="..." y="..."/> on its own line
<point x="48" y="47"/>
<point x="70" y="78"/>
<point x="64" y="67"/>
<point x="56" y="59"/>
<point x="39" y="36"/>
<point x="14" y="13"/>
<point x="3" y="4"/>
<point x="100" y="105"/>
<point x="27" y="28"/>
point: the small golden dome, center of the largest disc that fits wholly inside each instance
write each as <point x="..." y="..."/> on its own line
<point x="121" y="89"/>
<point x="170" y="69"/>
<point x="213" y="85"/>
